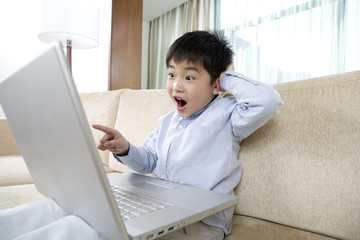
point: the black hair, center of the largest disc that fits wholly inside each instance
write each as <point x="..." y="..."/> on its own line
<point x="210" y="50"/>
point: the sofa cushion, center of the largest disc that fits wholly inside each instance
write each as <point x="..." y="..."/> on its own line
<point x="139" y="111"/>
<point x="13" y="171"/>
<point x="302" y="168"/>
<point x="12" y="196"/>
<point x="245" y="228"/>
<point x="7" y="141"/>
<point x="101" y="108"/>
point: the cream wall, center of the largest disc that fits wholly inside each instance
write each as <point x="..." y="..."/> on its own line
<point x="19" y="25"/>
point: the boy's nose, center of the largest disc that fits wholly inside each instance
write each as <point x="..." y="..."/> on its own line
<point x="178" y="85"/>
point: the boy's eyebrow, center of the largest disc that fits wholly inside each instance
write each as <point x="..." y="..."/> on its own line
<point x="193" y="68"/>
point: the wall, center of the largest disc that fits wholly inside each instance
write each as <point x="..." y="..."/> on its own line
<point x="20" y="24"/>
<point x="19" y="44"/>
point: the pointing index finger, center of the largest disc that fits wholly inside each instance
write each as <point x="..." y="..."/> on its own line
<point x="102" y="128"/>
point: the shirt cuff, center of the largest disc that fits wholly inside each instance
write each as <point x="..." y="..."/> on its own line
<point x="129" y="160"/>
<point x="124" y="158"/>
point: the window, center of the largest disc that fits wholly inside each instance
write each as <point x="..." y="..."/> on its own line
<point x="279" y="41"/>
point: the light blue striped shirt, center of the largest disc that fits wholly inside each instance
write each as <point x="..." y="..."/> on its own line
<point x="202" y="150"/>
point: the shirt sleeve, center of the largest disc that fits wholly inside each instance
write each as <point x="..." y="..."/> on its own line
<point x="141" y="159"/>
<point x="256" y="103"/>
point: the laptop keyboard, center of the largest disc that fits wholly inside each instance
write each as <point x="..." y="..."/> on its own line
<point x="133" y="205"/>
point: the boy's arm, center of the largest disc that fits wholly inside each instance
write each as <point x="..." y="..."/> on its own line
<point x="141" y="159"/>
<point x="256" y="103"/>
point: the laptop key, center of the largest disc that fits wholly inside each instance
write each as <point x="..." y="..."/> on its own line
<point x="132" y="205"/>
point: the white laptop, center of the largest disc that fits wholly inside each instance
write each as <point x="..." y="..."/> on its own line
<point x="46" y="116"/>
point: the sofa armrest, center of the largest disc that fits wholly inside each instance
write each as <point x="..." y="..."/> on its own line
<point x="8" y="144"/>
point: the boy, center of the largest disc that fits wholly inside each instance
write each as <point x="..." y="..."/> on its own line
<point x="198" y="143"/>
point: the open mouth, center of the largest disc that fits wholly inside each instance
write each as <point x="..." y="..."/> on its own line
<point x="181" y="103"/>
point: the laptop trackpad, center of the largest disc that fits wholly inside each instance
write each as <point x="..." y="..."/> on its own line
<point x="154" y="187"/>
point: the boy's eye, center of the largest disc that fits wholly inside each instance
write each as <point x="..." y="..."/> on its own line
<point x="189" y="78"/>
<point x="171" y="75"/>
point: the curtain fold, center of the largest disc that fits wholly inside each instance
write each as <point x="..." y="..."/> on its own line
<point x="279" y="41"/>
<point x="164" y="30"/>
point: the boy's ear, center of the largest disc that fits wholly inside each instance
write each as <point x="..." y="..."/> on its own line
<point x="216" y="86"/>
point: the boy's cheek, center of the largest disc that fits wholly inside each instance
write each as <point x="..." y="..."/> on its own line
<point x="168" y="86"/>
<point x="169" y="91"/>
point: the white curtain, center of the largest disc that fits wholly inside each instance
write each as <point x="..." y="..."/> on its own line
<point x="192" y="15"/>
<point x="286" y="40"/>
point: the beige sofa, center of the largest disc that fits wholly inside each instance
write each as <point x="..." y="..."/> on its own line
<point x="301" y="171"/>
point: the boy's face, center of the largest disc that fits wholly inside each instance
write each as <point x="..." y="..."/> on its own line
<point x="190" y="87"/>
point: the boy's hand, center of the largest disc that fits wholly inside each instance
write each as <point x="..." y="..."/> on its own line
<point x="112" y="141"/>
<point x="231" y="67"/>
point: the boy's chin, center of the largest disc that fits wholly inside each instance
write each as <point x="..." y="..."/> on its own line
<point x="182" y="111"/>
